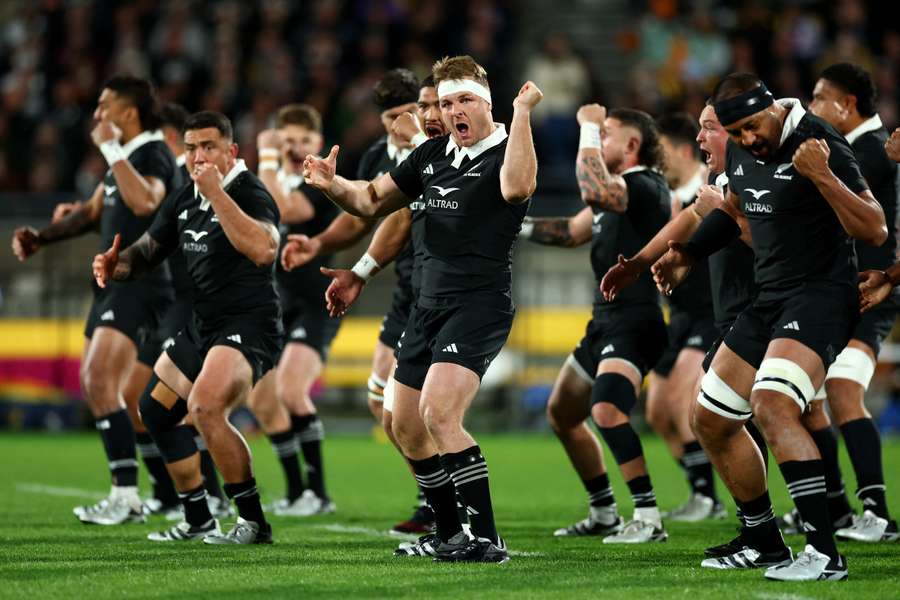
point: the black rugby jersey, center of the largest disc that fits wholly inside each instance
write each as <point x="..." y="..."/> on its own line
<point x="181" y="279"/>
<point x="880" y="173"/>
<point x="625" y="233"/>
<point x="307" y="278"/>
<point x="797" y="237"/>
<point x="694" y="295"/>
<point x="732" y="281"/>
<point x="150" y="157"/>
<point x="468" y="230"/>
<point x="379" y="159"/>
<point x="226" y="284"/>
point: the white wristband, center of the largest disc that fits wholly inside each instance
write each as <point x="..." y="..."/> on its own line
<point x="527" y="229"/>
<point x="268" y="153"/>
<point x="112" y="151"/>
<point x="365" y="267"/>
<point x="590" y="137"/>
<point x="267" y="164"/>
<point x="418" y="139"/>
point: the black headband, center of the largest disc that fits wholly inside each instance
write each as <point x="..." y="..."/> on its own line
<point x="750" y="102"/>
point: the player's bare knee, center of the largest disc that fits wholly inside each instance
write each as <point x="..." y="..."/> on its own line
<point x="815" y="417"/>
<point x="846" y="399"/>
<point x="439" y="421"/>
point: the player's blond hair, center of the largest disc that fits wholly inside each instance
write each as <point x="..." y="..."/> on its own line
<point x="459" y="67"/>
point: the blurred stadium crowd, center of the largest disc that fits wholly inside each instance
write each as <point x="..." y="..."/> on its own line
<point x="247" y="58"/>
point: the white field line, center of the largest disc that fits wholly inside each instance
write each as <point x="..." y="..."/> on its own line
<point x="50" y="490"/>
<point x="340" y="528"/>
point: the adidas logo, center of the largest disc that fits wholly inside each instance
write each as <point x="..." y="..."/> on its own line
<point x="607" y="349"/>
<point x="108" y="316"/>
<point x="694" y="340"/>
<point x="429" y="170"/>
<point x="215" y="219"/>
<point x="235" y="338"/>
<point x="183" y="215"/>
<point x="808" y="528"/>
<point x="792" y="325"/>
<point x="869" y="502"/>
<point x="299" y="332"/>
<point x="739" y="171"/>
<point x="471" y="511"/>
<point x="168" y="343"/>
<point x="450" y="348"/>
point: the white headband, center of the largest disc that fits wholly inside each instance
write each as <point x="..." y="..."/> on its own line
<point x="455" y="86"/>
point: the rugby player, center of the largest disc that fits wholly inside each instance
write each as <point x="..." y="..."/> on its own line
<point x="281" y="401"/>
<point x="226" y="226"/>
<point x="618" y="167"/>
<point x="475" y="186"/>
<point x="845" y="97"/>
<point x="799" y="185"/>
<point x="141" y="173"/>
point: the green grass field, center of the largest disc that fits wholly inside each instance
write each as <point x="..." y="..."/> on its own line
<point x="46" y="553"/>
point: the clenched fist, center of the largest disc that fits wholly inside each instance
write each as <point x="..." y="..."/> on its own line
<point x="269" y="139"/>
<point x="105" y="131"/>
<point x="26" y="241"/>
<point x="405" y="127"/>
<point x="207" y="178"/>
<point x="811" y="159"/>
<point x="709" y="197"/>
<point x="528" y="97"/>
<point x="892" y="146"/>
<point x="591" y="113"/>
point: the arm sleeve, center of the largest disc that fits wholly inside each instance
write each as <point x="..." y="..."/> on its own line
<point x="154" y="160"/>
<point x="260" y="205"/>
<point x="644" y="200"/>
<point x="408" y="174"/>
<point x="164" y="228"/>
<point x="844" y="165"/>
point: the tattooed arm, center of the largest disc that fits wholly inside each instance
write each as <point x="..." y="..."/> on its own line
<point x="598" y="186"/>
<point x="139" y="258"/>
<point x="559" y="231"/>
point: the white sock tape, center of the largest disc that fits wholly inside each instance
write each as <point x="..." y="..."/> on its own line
<point x="455" y="86"/>
<point x="366" y="267"/>
<point x="853" y="364"/>
<point x="590" y="137"/>
<point x="112" y="151"/>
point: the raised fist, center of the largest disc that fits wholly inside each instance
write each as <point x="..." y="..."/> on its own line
<point x="811" y="158"/>
<point x="528" y="97"/>
<point x="105" y="131"/>
<point x="591" y="113"/>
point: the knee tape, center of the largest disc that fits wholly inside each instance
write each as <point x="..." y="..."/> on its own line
<point x="623" y="442"/>
<point x="389" y="390"/>
<point x="375" y="387"/>
<point x="162" y="411"/>
<point x="718" y="397"/>
<point x="614" y="389"/>
<point x="785" y="377"/>
<point x="852" y="364"/>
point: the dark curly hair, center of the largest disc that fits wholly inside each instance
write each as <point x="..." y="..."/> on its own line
<point x="650" y="154"/>
<point x="398" y="86"/>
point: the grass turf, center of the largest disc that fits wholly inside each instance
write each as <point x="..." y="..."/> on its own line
<point x="46" y="553"/>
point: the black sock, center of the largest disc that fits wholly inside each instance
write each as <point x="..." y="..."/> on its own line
<point x="806" y="483"/>
<point x="760" y="441"/>
<point x="826" y="442"/>
<point x="440" y="492"/>
<point x="739" y="511"/>
<point x="759" y="528"/>
<point x="310" y="432"/>
<point x="469" y="472"/>
<point x="246" y="497"/>
<point x="118" y="440"/>
<point x="420" y="495"/>
<point x="163" y="488"/>
<point x="196" y="510"/>
<point x="642" y="492"/>
<point x="288" y="451"/>
<point x="599" y="491"/>
<point x="207" y="467"/>
<point x="864" y="447"/>
<point x="699" y="470"/>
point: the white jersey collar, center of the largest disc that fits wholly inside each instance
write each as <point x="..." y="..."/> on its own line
<point x="796" y="113"/>
<point x="144" y="137"/>
<point x="396" y="154"/>
<point x="870" y="124"/>
<point x="239" y="167"/>
<point x="288" y="181"/>
<point x="181" y="160"/>
<point x="687" y="192"/>
<point x="722" y="179"/>
<point x="476" y="149"/>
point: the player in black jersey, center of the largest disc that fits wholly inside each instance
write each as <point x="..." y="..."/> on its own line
<point x="281" y="401"/>
<point x="475" y="186"/>
<point x="845" y="97"/>
<point x="165" y="500"/>
<point x="798" y="183"/>
<point x="892" y="146"/>
<point x="627" y="203"/>
<point x="226" y="226"/>
<point x="141" y="172"/>
<point x="674" y="379"/>
<point x="396" y="95"/>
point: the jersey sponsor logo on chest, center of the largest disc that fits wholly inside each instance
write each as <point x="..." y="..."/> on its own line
<point x="442" y="202"/>
<point x="194" y="245"/>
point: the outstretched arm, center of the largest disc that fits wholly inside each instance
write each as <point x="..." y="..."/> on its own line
<point x="137" y="259"/>
<point x="567" y="232"/>
<point x="361" y="198"/>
